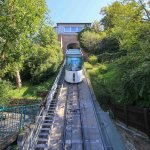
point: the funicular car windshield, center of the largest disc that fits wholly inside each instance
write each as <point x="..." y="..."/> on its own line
<point x="73" y="63"/>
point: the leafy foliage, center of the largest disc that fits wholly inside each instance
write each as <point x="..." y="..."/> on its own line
<point x="109" y="57"/>
<point x="125" y="53"/>
<point x="28" y="44"/>
<point x="5" y="86"/>
<point x="134" y="70"/>
<point x="92" y="59"/>
<point x="109" y="44"/>
<point x="123" y="22"/>
<point x="90" y="41"/>
<point x="18" y="21"/>
<point x="45" y="56"/>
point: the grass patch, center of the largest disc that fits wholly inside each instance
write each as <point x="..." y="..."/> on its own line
<point x="105" y="81"/>
<point x="30" y="90"/>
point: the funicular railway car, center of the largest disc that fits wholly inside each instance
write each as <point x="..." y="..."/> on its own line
<point x="74" y="66"/>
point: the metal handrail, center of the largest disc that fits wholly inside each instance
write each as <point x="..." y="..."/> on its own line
<point x="10" y="108"/>
<point x="32" y="138"/>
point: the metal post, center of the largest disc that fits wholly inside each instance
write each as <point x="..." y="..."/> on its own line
<point x="126" y="114"/>
<point x="20" y="118"/>
<point x="147" y="128"/>
<point x="24" y="116"/>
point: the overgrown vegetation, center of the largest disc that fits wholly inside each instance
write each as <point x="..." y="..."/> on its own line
<point x="122" y="74"/>
<point x="29" y="50"/>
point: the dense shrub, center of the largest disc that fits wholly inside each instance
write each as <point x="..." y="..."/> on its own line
<point x="137" y="86"/>
<point x="124" y="81"/>
<point x="101" y="91"/>
<point x="135" y="72"/>
<point x="125" y="53"/>
<point x="5" y="88"/>
<point x="109" y="44"/>
<point x="41" y="68"/>
<point x="108" y="57"/>
<point x="90" y="39"/>
<point x="92" y="59"/>
<point x="87" y="65"/>
<point x="46" y="57"/>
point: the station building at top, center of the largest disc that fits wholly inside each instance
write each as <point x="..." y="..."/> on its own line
<point x="68" y="34"/>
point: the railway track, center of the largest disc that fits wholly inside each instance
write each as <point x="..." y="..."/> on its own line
<point x="73" y="120"/>
<point x="69" y="121"/>
<point x="71" y="128"/>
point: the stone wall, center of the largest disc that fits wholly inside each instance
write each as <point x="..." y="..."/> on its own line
<point x="67" y="39"/>
<point x="134" y="140"/>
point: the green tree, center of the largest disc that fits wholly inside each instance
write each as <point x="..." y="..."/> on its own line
<point x="96" y="27"/>
<point x="143" y="37"/>
<point x="123" y="22"/>
<point x="90" y="41"/>
<point x="19" y="21"/>
<point x="109" y="44"/>
<point x="144" y="5"/>
<point x="46" y="55"/>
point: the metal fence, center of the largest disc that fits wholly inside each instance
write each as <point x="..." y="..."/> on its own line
<point x="15" y="118"/>
<point x="138" y="118"/>
<point x="23" y="102"/>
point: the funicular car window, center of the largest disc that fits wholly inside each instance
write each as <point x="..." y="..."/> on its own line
<point x="74" y="64"/>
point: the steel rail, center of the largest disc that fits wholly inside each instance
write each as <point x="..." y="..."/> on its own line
<point x="81" y="121"/>
<point x="65" y="116"/>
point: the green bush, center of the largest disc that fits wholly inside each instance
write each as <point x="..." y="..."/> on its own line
<point x="134" y="71"/>
<point x="92" y="59"/>
<point x="137" y="86"/>
<point x="42" y="67"/>
<point x="109" y="44"/>
<point x="5" y="88"/>
<point x="108" y="57"/>
<point x="45" y="58"/>
<point x="87" y="65"/>
<point x="102" y="93"/>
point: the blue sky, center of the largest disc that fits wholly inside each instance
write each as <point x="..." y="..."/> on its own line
<point x="76" y="10"/>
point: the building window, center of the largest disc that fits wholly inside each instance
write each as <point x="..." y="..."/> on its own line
<point x="73" y="29"/>
<point x="80" y="29"/>
<point x="67" y="29"/>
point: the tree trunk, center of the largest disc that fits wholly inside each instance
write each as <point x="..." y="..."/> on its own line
<point x="145" y="9"/>
<point x="18" y="79"/>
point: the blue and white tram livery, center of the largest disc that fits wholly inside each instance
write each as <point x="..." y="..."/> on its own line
<point x="74" y="66"/>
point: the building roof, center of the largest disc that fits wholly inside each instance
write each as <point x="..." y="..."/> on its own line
<point x="88" y="23"/>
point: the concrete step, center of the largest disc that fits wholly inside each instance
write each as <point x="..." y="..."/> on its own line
<point x="49" y="118"/>
<point x="54" y="102"/>
<point x="53" y="105"/>
<point x="43" y="133"/>
<point x="42" y="140"/>
<point x="45" y="136"/>
<point x="47" y="124"/>
<point x="52" y="108"/>
<point x="45" y="129"/>
<point x="48" y="121"/>
<point x="50" y="113"/>
<point x="40" y="147"/>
